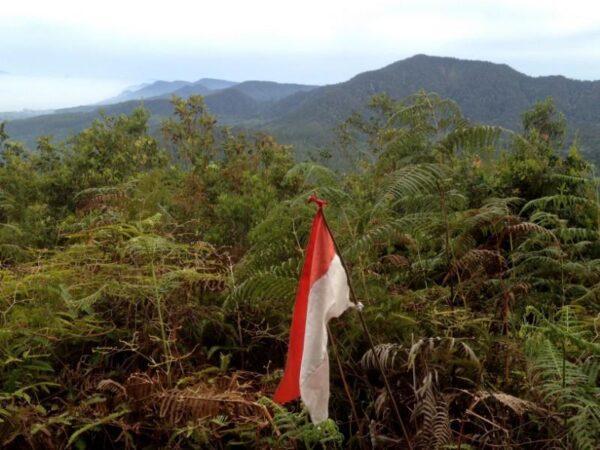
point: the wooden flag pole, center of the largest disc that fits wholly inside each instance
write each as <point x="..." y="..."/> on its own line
<point x="345" y="383"/>
<point x="363" y="323"/>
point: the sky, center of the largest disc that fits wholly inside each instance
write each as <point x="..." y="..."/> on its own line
<point x="70" y="52"/>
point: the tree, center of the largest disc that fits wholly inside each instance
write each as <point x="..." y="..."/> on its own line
<point x="192" y="131"/>
<point x="546" y="122"/>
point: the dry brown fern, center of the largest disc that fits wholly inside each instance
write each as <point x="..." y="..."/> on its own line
<point x="529" y="228"/>
<point x="431" y="412"/>
<point x="518" y="405"/>
<point x="178" y="407"/>
<point x="234" y="396"/>
<point x="113" y="387"/>
<point x="477" y="261"/>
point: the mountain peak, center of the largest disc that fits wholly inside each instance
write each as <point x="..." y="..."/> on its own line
<point x="422" y="58"/>
<point x="214" y="84"/>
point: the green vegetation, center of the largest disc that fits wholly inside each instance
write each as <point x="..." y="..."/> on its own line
<point x="146" y="289"/>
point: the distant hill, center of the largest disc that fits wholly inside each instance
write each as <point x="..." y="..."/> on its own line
<point x="268" y="91"/>
<point x="215" y="84"/>
<point x="201" y="87"/>
<point x="168" y="88"/>
<point x="151" y="90"/>
<point x="305" y="115"/>
<point x="244" y="103"/>
<point x="23" y="114"/>
<point x="164" y="89"/>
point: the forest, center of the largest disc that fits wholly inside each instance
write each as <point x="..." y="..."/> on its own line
<point x="147" y="283"/>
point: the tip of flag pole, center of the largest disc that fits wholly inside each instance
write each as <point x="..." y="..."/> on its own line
<point x="319" y="201"/>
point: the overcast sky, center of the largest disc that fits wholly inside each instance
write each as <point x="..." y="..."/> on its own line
<point x="66" y="52"/>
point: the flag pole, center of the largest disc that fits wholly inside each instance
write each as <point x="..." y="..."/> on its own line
<point x="363" y="323"/>
<point x="345" y="383"/>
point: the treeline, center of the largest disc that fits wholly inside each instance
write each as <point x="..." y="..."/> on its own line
<point x="146" y="286"/>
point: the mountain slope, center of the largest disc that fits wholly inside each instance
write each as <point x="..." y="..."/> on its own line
<point x="486" y="92"/>
<point x="201" y="87"/>
<point x="269" y="91"/>
<point x="168" y="88"/>
<point x="188" y="90"/>
<point x="214" y="84"/>
<point x="261" y="91"/>
<point x="155" y="89"/>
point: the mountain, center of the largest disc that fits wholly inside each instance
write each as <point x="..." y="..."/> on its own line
<point x="187" y="91"/>
<point x="155" y="89"/>
<point x="261" y="91"/>
<point x="243" y="104"/>
<point x="269" y="91"/>
<point x="214" y="84"/>
<point x="65" y="121"/>
<point x="167" y="88"/>
<point x="486" y="92"/>
<point x="306" y="115"/>
<point x="23" y="114"/>
<point x="201" y="87"/>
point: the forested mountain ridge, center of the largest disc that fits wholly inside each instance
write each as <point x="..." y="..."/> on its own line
<point x="486" y="92"/>
<point x="306" y="115"/>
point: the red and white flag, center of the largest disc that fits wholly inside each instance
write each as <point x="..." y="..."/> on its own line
<point x="323" y="293"/>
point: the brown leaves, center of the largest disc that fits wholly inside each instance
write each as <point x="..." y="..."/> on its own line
<point x="233" y="396"/>
<point x="518" y="405"/>
<point x="477" y="262"/>
<point x="526" y="228"/>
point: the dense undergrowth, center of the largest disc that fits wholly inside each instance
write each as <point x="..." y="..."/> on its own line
<point x="146" y="292"/>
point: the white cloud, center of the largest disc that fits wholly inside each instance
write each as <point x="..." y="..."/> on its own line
<point x="308" y="25"/>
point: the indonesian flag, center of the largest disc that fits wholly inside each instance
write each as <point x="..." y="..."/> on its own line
<point x="323" y="293"/>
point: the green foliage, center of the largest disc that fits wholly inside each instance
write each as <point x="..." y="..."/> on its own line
<point x="192" y="132"/>
<point x="564" y="365"/>
<point x="545" y="122"/>
<point x="295" y="429"/>
<point x="146" y="293"/>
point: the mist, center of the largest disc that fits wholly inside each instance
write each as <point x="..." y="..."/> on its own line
<point x="19" y="92"/>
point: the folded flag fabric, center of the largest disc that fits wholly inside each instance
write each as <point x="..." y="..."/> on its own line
<point x="323" y="294"/>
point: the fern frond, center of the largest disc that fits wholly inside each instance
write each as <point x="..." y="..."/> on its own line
<point x="469" y="139"/>
<point x="415" y="180"/>
<point x="558" y="202"/>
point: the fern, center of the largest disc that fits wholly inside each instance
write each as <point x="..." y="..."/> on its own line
<point x="415" y="180"/>
<point x="571" y="386"/>
<point x="432" y="411"/>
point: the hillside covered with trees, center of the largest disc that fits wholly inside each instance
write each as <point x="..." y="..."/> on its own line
<point x="306" y="116"/>
<point x="146" y="285"/>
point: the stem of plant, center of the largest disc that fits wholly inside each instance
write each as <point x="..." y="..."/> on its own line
<point x="161" y="323"/>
